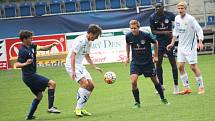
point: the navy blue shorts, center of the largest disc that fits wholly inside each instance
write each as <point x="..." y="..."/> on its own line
<point x="36" y="83"/>
<point x="163" y="50"/>
<point x="147" y="70"/>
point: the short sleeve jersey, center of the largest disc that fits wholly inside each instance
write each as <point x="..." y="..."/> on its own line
<point x="26" y="53"/>
<point x="162" y="23"/>
<point x="140" y="47"/>
<point x="81" y="46"/>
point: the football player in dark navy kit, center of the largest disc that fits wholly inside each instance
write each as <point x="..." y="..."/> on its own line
<point x="161" y="26"/>
<point x="142" y="60"/>
<point x="37" y="83"/>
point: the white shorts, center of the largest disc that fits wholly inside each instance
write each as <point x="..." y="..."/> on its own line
<point x="80" y="72"/>
<point x="191" y="57"/>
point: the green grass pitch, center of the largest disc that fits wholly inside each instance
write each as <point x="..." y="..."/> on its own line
<point x="112" y="102"/>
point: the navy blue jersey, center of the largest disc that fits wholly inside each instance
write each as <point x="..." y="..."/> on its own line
<point x="162" y="23"/>
<point x="141" y="47"/>
<point x="26" y="53"/>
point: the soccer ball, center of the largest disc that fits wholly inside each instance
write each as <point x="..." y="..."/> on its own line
<point x="110" y="77"/>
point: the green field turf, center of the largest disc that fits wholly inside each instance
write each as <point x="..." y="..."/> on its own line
<point x="112" y="102"/>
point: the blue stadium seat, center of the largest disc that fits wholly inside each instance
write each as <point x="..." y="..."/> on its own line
<point x="70" y="5"/>
<point x="130" y="3"/>
<point x="55" y="6"/>
<point x="145" y="2"/>
<point x="25" y="9"/>
<point x="100" y="4"/>
<point x="10" y="10"/>
<point x="40" y="8"/>
<point x="115" y="4"/>
<point x="85" y="5"/>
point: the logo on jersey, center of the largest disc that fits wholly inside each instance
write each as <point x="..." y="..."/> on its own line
<point x="142" y="42"/>
<point x="177" y="24"/>
<point x="166" y="20"/>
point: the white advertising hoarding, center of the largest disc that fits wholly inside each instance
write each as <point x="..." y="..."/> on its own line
<point x="3" y="55"/>
<point x="110" y="47"/>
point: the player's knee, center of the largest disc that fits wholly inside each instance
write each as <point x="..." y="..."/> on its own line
<point x="90" y="86"/>
<point x="84" y="83"/>
<point x="155" y="80"/>
<point x="52" y="84"/>
<point x="181" y="68"/>
<point x="159" y="64"/>
<point x="193" y="67"/>
<point x="134" y="83"/>
<point x="39" y="96"/>
<point x="174" y="66"/>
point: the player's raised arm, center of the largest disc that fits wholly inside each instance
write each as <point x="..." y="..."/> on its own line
<point x="47" y="47"/>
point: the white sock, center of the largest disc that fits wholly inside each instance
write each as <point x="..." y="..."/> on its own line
<point x="82" y="97"/>
<point x="199" y="81"/>
<point x="185" y="81"/>
<point x="176" y="88"/>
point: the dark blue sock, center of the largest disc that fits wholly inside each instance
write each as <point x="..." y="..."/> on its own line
<point x="160" y="90"/>
<point x="33" y="108"/>
<point x="160" y="73"/>
<point x="136" y="95"/>
<point x="51" y="97"/>
<point x="175" y="75"/>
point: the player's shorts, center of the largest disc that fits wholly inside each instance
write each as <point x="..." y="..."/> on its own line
<point x="36" y="83"/>
<point x="80" y="72"/>
<point x="190" y="57"/>
<point x="163" y="50"/>
<point x="147" y="70"/>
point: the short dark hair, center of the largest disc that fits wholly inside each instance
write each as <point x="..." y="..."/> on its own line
<point x="24" y="34"/>
<point x="94" y="29"/>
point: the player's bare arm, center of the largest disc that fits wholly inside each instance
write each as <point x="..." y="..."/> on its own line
<point x="20" y="65"/>
<point x="73" y="54"/>
<point x="127" y="59"/>
<point x="47" y="47"/>
<point x="200" y="45"/>
<point x="87" y="56"/>
<point x="155" y="59"/>
<point x="171" y="44"/>
<point x="156" y="32"/>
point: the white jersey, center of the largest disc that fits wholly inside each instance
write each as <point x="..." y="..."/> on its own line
<point x="81" y="46"/>
<point x="187" y="30"/>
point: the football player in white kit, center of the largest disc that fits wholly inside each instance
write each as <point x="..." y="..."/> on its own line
<point x="80" y="49"/>
<point x="188" y="31"/>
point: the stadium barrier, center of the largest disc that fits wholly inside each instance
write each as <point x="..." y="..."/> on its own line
<point x="52" y="60"/>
